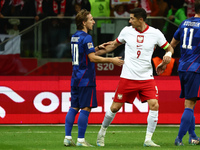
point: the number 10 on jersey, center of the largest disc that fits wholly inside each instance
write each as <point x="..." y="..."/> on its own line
<point x="75" y="54"/>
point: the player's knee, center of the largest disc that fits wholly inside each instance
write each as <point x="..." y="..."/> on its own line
<point x="87" y="109"/>
<point x="190" y="103"/>
<point x="154" y="105"/>
<point x="114" y="109"/>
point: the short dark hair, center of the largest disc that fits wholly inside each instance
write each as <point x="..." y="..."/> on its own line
<point x="197" y="6"/>
<point x="139" y="13"/>
<point x="80" y="17"/>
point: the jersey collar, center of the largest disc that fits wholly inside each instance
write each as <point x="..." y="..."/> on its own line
<point x="144" y="29"/>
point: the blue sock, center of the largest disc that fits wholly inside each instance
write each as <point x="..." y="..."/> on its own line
<point x="69" y="121"/>
<point x="185" y="122"/>
<point x="192" y="128"/>
<point x="82" y="123"/>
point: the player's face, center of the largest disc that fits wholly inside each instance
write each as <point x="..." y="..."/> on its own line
<point x="134" y="21"/>
<point x="90" y="22"/>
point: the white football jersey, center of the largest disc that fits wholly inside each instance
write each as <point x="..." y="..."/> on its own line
<point x="139" y="47"/>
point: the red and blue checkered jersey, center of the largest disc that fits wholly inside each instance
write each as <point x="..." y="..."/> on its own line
<point x="188" y="34"/>
<point x="83" y="73"/>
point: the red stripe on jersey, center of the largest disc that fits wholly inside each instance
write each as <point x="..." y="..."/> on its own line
<point x="164" y="45"/>
<point x="118" y="41"/>
<point x="86" y="59"/>
<point x="192" y="63"/>
<point x="91" y="100"/>
<point x="81" y="78"/>
<point x="197" y="69"/>
<point x="198" y="95"/>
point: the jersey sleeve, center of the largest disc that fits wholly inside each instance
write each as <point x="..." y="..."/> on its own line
<point x="162" y="42"/>
<point x="88" y="44"/>
<point x="121" y="37"/>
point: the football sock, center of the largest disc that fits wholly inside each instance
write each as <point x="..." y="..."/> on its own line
<point x="185" y="122"/>
<point x="69" y="121"/>
<point x="109" y="116"/>
<point x="102" y="131"/>
<point x="81" y="139"/>
<point x="152" y="120"/>
<point x="192" y="127"/>
<point x="82" y="123"/>
<point x="68" y="137"/>
<point x="148" y="136"/>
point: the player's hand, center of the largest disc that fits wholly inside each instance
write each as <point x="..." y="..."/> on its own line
<point x="161" y="68"/>
<point x="166" y="59"/>
<point x="118" y="61"/>
<point x="102" y="46"/>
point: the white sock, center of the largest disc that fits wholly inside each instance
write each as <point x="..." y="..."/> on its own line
<point x="109" y="116"/>
<point x="81" y="139"/>
<point x="102" y="131"/>
<point x="68" y="137"/>
<point x="148" y="136"/>
<point x="152" y="120"/>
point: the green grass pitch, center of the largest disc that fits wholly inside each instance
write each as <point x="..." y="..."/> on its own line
<point x="130" y="137"/>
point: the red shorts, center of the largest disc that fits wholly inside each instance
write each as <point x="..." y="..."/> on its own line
<point x="127" y="90"/>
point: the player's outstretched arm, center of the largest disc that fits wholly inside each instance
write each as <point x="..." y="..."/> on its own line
<point x="100" y="49"/>
<point x="117" y="61"/>
<point x="106" y="47"/>
<point x="98" y="59"/>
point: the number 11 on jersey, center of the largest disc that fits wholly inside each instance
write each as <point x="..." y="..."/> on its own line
<point x="189" y="46"/>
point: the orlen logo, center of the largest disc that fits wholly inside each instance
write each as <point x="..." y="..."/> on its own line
<point x="12" y="95"/>
<point x="37" y="100"/>
<point x="65" y="102"/>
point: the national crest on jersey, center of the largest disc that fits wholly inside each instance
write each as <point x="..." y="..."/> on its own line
<point x="188" y="34"/>
<point x="140" y="38"/>
<point x="83" y="73"/>
<point x="119" y="96"/>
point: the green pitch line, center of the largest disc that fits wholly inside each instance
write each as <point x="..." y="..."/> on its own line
<point x="117" y="137"/>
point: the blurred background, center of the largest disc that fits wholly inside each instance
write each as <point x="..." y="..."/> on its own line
<point x="35" y="34"/>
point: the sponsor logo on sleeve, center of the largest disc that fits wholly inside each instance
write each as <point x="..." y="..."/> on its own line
<point x="90" y="45"/>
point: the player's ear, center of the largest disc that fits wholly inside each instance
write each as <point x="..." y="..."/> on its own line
<point x="83" y="23"/>
<point x="141" y="19"/>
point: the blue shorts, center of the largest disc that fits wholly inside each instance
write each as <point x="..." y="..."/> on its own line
<point x="83" y="97"/>
<point x="190" y="85"/>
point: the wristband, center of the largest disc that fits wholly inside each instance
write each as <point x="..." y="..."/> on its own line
<point x="168" y="54"/>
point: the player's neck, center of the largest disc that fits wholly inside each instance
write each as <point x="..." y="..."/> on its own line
<point x="142" y="27"/>
<point x="85" y="30"/>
